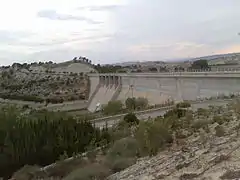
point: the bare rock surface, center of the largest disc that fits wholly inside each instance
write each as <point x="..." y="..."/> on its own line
<point x="215" y="158"/>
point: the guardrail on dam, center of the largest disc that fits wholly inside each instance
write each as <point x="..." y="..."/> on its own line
<point x="161" y="87"/>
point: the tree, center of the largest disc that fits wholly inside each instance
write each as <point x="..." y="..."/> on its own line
<point x="130" y="103"/>
<point x="133" y="103"/>
<point x="141" y="103"/>
<point x="183" y="105"/>
<point x="113" y="107"/>
<point x="153" y="69"/>
<point x="131" y="119"/>
<point x="65" y="135"/>
<point x="200" y="64"/>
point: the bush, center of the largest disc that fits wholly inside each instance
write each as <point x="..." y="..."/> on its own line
<point x="219" y="131"/>
<point x="183" y="105"/>
<point x="201" y="124"/>
<point x="131" y="119"/>
<point x="55" y="100"/>
<point x="141" y="103"/>
<point x="22" y="97"/>
<point x="121" y="130"/>
<point x="218" y="120"/>
<point x="133" y="103"/>
<point x="175" y="113"/>
<point x="90" y="172"/>
<point x="202" y="112"/>
<point x="123" y="148"/>
<point x="113" y="107"/>
<point x="130" y="103"/>
<point x="122" y="154"/>
<point x="152" y="136"/>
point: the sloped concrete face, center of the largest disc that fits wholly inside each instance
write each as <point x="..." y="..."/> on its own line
<point x="105" y="91"/>
<point x="159" y="88"/>
<point x="94" y="81"/>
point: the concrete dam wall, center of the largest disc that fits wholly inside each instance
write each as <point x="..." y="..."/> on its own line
<point x="161" y="87"/>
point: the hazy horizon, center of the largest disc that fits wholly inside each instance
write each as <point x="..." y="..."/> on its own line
<point x="111" y="31"/>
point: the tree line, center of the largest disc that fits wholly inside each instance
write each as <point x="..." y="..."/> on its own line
<point x="42" y="137"/>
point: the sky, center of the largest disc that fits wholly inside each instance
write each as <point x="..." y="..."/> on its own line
<point x="110" y="31"/>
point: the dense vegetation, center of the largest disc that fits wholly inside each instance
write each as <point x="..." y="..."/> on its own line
<point x="201" y="64"/>
<point x="132" y="104"/>
<point x="41" y="138"/>
<point x="108" y="68"/>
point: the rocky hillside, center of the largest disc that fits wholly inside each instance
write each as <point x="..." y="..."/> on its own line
<point x="210" y="153"/>
<point x="49" y="86"/>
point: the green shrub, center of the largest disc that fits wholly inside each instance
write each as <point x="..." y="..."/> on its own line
<point x="133" y="103"/>
<point x="123" y="148"/>
<point x="218" y="119"/>
<point x="152" y="136"/>
<point x="130" y="103"/>
<point x="131" y="119"/>
<point x="200" y="124"/>
<point x="54" y="100"/>
<point x="183" y="105"/>
<point x="113" y="107"/>
<point x="90" y="172"/>
<point x="175" y="113"/>
<point x="202" y="112"/>
<point x="121" y="130"/>
<point x="141" y="103"/>
<point x="122" y="154"/>
<point x="22" y="97"/>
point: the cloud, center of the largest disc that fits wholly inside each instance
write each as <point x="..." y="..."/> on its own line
<point x="162" y="51"/>
<point x="13" y="36"/>
<point x="230" y="49"/>
<point x="101" y="8"/>
<point x="67" y="40"/>
<point x="53" y="15"/>
<point x="117" y="30"/>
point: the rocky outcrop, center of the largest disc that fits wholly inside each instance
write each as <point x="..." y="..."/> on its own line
<point x="199" y="157"/>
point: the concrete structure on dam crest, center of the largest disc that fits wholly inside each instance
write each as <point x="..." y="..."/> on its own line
<point x="161" y="87"/>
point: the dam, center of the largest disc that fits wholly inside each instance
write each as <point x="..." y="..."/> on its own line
<point x="159" y="88"/>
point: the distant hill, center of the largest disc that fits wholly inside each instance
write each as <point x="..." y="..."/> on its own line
<point x="212" y="57"/>
<point x="216" y="57"/>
